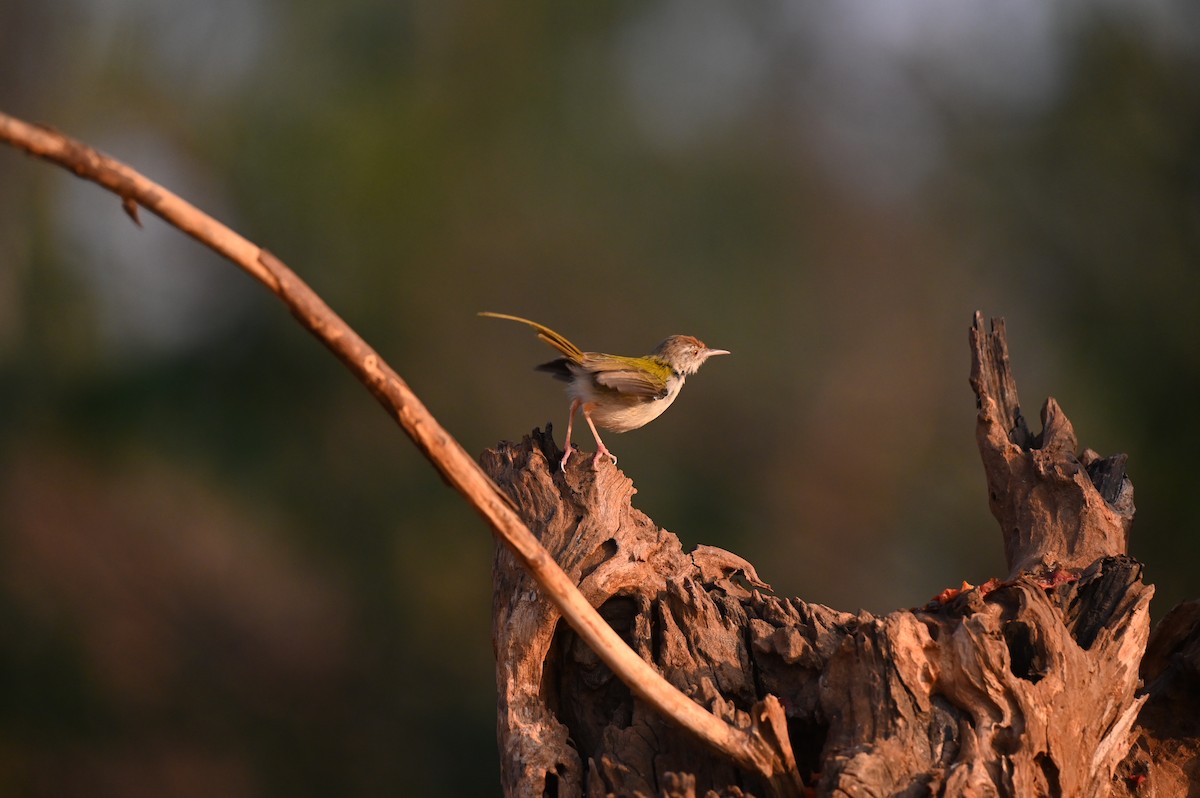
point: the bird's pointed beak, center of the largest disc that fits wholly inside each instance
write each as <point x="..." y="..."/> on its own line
<point x="711" y="352"/>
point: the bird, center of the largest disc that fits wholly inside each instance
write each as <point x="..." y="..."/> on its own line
<point x="616" y="392"/>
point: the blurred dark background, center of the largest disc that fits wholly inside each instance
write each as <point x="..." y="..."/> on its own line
<point x="223" y="571"/>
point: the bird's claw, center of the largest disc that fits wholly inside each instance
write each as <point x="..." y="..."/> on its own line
<point x="603" y="453"/>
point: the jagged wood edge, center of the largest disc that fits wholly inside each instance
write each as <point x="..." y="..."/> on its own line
<point x="1056" y="509"/>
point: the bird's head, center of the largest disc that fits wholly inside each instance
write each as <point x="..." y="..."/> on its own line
<point x="685" y="354"/>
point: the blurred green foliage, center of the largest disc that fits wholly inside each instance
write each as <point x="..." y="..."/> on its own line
<point x="224" y="571"/>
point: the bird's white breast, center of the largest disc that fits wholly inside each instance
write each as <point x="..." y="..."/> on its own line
<point x="622" y="413"/>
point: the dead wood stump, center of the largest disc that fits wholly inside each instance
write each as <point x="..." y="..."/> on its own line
<point x="1023" y="687"/>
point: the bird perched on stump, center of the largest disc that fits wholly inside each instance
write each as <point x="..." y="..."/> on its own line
<point x="616" y="392"/>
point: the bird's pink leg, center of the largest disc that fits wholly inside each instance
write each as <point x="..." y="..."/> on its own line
<point x="601" y="450"/>
<point x="568" y="448"/>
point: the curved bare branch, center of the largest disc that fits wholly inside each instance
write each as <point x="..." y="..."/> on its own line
<point x="767" y="755"/>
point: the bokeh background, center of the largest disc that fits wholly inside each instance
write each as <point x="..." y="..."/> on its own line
<point x="223" y="571"/>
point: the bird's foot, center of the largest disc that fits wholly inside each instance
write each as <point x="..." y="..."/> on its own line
<point x="562" y="464"/>
<point x="603" y="452"/>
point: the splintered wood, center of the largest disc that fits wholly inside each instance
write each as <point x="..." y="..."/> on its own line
<point x="1054" y="509"/>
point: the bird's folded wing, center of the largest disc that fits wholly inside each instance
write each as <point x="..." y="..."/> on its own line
<point x="633" y="376"/>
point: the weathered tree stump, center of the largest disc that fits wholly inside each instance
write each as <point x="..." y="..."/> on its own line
<point x="1023" y="687"/>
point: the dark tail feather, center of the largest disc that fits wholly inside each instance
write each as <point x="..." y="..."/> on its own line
<point x="559" y="368"/>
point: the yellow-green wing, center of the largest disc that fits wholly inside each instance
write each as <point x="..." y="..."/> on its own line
<point x="545" y="333"/>
<point x="636" y="376"/>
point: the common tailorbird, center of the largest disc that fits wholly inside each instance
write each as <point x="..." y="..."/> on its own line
<point x="615" y="392"/>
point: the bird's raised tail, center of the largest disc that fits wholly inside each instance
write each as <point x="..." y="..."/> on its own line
<point x="545" y="333"/>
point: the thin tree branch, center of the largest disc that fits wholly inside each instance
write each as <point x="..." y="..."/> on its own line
<point x="768" y="755"/>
